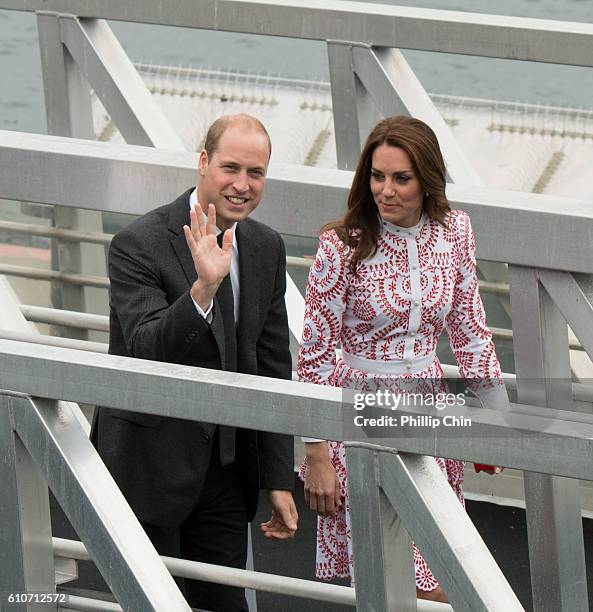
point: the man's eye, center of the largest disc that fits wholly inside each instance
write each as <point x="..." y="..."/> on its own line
<point x="257" y="173"/>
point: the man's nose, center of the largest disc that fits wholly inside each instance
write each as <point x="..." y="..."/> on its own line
<point x="241" y="182"/>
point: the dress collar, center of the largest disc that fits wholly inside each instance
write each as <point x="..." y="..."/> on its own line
<point x="405" y="231"/>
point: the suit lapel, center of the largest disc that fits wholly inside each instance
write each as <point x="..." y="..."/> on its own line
<point x="178" y="217"/>
<point x="249" y="274"/>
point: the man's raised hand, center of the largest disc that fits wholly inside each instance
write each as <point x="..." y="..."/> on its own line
<point x="212" y="263"/>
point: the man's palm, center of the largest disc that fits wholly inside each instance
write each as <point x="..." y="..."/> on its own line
<point x="212" y="263"/>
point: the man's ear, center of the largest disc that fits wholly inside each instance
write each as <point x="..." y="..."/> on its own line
<point x="203" y="162"/>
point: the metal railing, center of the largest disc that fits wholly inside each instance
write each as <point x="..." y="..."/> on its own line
<point x="546" y="242"/>
<point x="58" y="373"/>
<point x="428" y="509"/>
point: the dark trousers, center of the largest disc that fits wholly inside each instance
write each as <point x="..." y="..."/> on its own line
<point x="215" y="532"/>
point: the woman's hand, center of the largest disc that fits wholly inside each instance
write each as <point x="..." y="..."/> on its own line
<point x="322" y="487"/>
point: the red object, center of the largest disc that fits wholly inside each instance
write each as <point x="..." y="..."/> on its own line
<point x="483" y="467"/>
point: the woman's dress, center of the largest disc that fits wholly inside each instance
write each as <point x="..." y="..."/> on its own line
<point x="388" y="319"/>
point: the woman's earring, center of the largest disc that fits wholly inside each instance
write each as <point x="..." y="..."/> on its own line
<point x="426" y="194"/>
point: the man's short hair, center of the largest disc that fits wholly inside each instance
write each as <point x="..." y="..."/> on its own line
<point x="219" y="127"/>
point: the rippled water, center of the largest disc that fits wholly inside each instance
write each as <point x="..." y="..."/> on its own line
<point x="21" y="93"/>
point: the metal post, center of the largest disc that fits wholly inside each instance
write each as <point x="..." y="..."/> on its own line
<point x="250" y="594"/>
<point x="116" y="82"/>
<point x="354" y="111"/>
<point x="385" y="569"/>
<point x="69" y="113"/>
<point x="26" y="555"/>
<point x="344" y="105"/>
<point x="554" y="527"/>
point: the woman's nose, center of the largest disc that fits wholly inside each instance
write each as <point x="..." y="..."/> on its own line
<point x="388" y="188"/>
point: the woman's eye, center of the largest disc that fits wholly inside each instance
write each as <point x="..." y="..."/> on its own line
<point x="377" y="176"/>
<point x="403" y="179"/>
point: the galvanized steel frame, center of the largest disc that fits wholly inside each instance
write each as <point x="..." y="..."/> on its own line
<point x="556" y="547"/>
<point x="69" y="113"/>
<point x="272" y="405"/>
<point x="521" y="38"/>
<point x="531" y="229"/>
<point x="527" y="437"/>
<point x="360" y="93"/>
<point x="414" y="487"/>
<point x="95" y="507"/>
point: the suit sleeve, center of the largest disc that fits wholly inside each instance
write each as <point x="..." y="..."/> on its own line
<point x="274" y="360"/>
<point x="152" y="327"/>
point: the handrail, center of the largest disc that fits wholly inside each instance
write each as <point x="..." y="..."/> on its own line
<point x="521" y="38"/>
<point x="545" y="241"/>
<point x="531" y="229"/>
<point x="82" y="320"/>
<point x="268" y="404"/>
<point x="72" y="549"/>
<point x="219" y="574"/>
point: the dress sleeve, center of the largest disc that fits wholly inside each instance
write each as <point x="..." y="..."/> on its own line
<point x="469" y="336"/>
<point x="324" y="308"/>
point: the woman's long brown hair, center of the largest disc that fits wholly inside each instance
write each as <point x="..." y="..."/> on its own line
<point x="360" y="227"/>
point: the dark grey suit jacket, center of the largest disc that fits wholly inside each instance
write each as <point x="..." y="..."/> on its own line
<point x="158" y="462"/>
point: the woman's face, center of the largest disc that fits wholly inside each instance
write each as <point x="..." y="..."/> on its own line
<point x="395" y="187"/>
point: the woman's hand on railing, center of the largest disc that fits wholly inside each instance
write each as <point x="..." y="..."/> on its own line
<point x="322" y="487"/>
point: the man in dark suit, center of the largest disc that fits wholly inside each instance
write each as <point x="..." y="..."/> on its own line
<point x="203" y="287"/>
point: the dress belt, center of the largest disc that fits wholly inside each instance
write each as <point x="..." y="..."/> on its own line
<point x="388" y="368"/>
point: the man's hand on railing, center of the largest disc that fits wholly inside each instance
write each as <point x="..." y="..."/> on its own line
<point x="284" y="520"/>
<point x="322" y="487"/>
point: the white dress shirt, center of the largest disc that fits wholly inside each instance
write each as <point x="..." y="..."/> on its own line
<point x="207" y="314"/>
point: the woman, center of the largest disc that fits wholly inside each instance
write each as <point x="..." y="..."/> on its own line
<point x="388" y="277"/>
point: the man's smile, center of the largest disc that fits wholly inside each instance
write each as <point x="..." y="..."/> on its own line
<point x="236" y="200"/>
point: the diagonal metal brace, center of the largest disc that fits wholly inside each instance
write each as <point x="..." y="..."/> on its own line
<point x="95" y="507"/>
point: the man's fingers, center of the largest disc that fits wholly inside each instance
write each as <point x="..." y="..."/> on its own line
<point x="189" y="238"/>
<point x="287" y="519"/>
<point x="227" y="241"/>
<point x="211" y="226"/>
<point x="277" y="527"/>
<point x="197" y="221"/>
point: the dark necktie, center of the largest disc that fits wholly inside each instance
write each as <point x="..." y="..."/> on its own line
<point x="226" y="303"/>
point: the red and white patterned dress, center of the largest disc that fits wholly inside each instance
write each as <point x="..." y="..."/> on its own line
<point x="388" y="318"/>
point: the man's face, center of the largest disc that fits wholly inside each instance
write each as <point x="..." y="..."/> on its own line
<point x="234" y="176"/>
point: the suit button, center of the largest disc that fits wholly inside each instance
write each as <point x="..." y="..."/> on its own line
<point x="205" y="437"/>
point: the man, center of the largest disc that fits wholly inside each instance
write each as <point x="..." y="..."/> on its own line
<point x="181" y="294"/>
